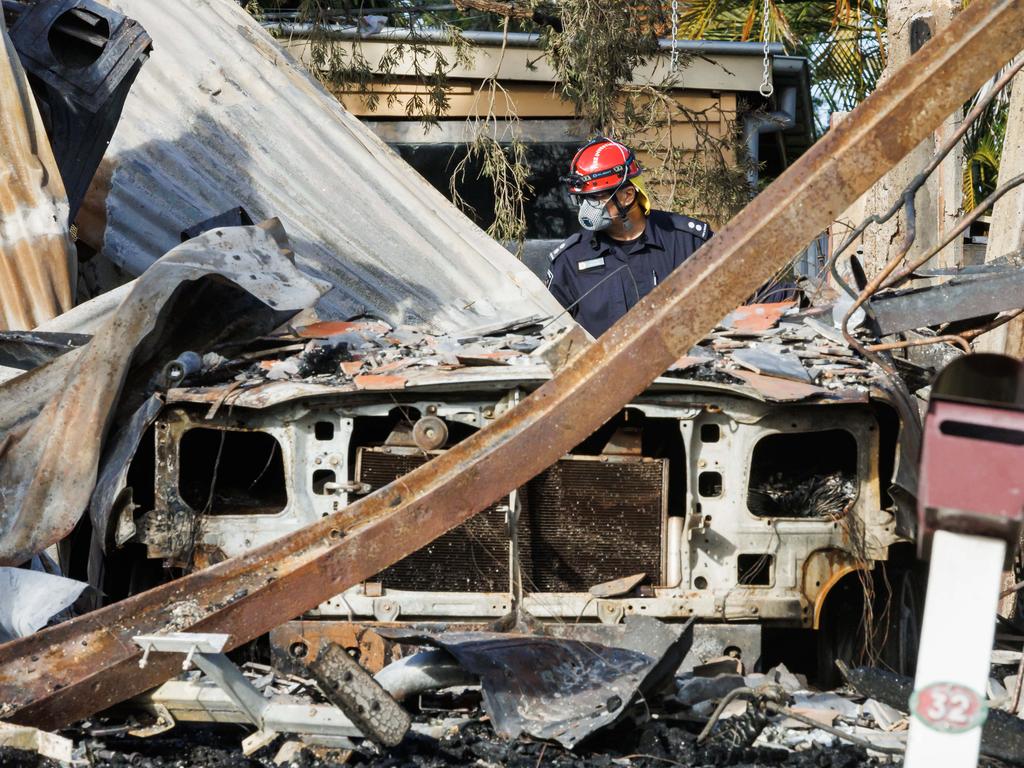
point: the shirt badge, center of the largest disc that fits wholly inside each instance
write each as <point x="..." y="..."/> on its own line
<point x="582" y="266"/>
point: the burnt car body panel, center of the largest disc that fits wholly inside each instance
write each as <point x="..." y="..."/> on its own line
<point x="706" y="489"/>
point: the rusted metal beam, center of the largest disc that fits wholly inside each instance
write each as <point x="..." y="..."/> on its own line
<point x="76" y="668"/>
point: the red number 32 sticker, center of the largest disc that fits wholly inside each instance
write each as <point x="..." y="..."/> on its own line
<point x="948" y="707"/>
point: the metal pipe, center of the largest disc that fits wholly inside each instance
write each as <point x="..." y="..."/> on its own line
<point x="962" y="226"/>
<point x="514" y="39"/>
<point x="69" y="671"/>
<point x="962" y="340"/>
<point x="950" y="339"/>
<point x="909" y="193"/>
<point x="422" y="673"/>
<point x="674" y="534"/>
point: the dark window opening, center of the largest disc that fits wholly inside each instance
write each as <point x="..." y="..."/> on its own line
<point x="754" y="570"/>
<point x="321" y="478"/>
<point x="323" y="430"/>
<point x="549" y="213"/>
<point x="227" y="472"/>
<point x="709" y="484"/>
<point x="141" y="471"/>
<point x="710" y="433"/>
<point x="803" y="474"/>
<point x="78" y="37"/>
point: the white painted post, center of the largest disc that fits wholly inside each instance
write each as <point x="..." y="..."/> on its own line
<point x="948" y="706"/>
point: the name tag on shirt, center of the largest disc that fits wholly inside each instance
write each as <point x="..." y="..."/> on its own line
<point x="590" y="263"/>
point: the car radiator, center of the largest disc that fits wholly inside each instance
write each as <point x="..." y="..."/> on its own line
<point x="583" y="521"/>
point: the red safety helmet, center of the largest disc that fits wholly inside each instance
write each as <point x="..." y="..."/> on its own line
<point x="602" y="165"/>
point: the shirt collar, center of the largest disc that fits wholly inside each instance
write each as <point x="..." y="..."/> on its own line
<point x="651" y="238"/>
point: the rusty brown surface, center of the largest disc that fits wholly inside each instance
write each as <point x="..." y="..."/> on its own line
<point x="303" y="640"/>
<point x="371" y="381"/>
<point x="37" y="261"/>
<point x="73" y="669"/>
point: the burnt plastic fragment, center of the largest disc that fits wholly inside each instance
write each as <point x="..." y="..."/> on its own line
<point x="352" y="690"/>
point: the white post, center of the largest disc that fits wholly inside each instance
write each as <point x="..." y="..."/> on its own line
<point x="948" y="705"/>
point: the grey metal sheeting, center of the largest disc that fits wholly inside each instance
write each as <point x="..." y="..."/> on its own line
<point x="37" y="267"/>
<point x="221" y="117"/>
<point x="227" y="285"/>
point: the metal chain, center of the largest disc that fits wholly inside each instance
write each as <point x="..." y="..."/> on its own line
<point x="675" y="34"/>
<point x="767" y="87"/>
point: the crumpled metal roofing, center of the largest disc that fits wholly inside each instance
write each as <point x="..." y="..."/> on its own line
<point x="221" y="116"/>
<point x="228" y="285"/>
<point x="37" y="261"/>
<point x="768" y="352"/>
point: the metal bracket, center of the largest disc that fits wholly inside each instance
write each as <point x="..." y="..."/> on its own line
<point x="205" y="651"/>
<point x="352" y="486"/>
<point x="189" y="643"/>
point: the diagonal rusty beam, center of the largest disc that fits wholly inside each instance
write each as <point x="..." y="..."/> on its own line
<point x="76" y="668"/>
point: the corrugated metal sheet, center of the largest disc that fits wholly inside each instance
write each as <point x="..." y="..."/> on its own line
<point x="221" y="117"/>
<point x="37" y="263"/>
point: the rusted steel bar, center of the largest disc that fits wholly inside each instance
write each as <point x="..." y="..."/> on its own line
<point x="951" y="339"/>
<point x="73" y="669"/>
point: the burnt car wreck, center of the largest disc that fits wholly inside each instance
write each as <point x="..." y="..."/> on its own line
<point x="741" y="507"/>
<point x="361" y="485"/>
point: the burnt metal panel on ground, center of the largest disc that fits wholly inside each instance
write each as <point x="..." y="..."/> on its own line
<point x="69" y="671"/>
<point x="37" y="257"/>
<point x="562" y="689"/>
<point x="575" y="516"/>
<point x="83" y="58"/>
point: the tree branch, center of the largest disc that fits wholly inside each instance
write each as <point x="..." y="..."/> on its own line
<point x="516" y="9"/>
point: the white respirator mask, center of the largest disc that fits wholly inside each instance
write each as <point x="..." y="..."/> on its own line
<point x="594" y="215"/>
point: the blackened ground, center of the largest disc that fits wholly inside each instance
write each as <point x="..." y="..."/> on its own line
<point x="652" y="745"/>
<point x="15" y="758"/>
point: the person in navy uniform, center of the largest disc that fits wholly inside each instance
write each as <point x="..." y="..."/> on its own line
<point x="625" y="247"/>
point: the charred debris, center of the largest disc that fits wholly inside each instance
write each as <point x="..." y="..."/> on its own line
<point x="214" y="452"/>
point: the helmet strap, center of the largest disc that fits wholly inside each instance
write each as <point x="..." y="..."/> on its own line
<point x="623" y="210"/>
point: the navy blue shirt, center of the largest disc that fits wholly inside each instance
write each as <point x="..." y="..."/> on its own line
<point x="618" y="274"/>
